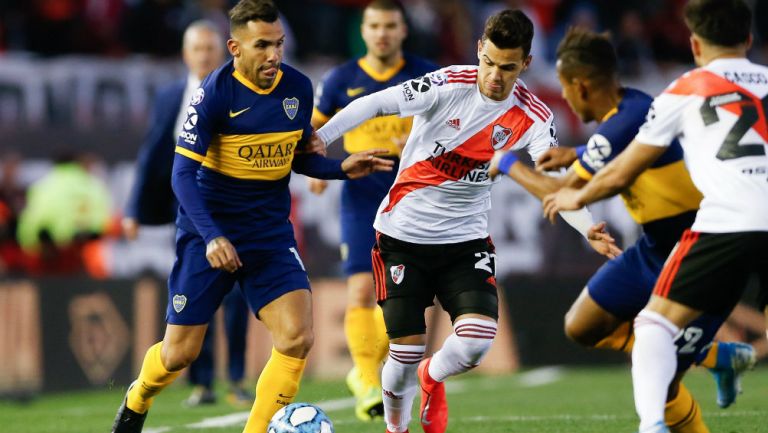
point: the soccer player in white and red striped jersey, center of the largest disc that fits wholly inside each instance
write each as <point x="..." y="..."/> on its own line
<point x="432" y="227"/>
<point x="718" y="113"/>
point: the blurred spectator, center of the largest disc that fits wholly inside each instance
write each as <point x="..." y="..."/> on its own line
<point x="634" y="54"/>
<point x="66" y="208"/>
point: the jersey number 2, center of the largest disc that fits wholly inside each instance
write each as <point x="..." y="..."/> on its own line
<point x="730" y="149"/>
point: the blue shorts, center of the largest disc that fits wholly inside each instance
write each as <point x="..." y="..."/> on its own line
<point x="360" y="200"/>
<point x="195" y="289"/>
<point x="623" y="286"/>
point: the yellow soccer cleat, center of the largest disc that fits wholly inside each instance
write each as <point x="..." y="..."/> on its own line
<point x="370" y="405"/>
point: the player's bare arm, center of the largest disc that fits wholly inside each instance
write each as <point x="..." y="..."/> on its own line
<point x="613" y="178"/>
<point x="556" y="158"/>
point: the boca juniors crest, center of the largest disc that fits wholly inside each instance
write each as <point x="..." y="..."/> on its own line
<point x="291" y="107"/>
<point x="500" y="136"/>
<point x="179" y="302"/>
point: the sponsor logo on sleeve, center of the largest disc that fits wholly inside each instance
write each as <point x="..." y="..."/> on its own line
<point x="198" y="96"/>
<point x="407" y="92"/>
<point x="421" y="84"/>
<point x="598" y="150"/>
<point x="438" y="78"/>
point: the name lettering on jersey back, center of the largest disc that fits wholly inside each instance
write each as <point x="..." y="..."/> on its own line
<point x="458" y="167"/>
<point x="746" y="77"/>
<point x="267" y="155"/>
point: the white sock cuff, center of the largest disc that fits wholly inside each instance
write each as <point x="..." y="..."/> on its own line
<point x="475" y="328"/>
<point x="648" y="317"/>
<point x="407" y="353"/>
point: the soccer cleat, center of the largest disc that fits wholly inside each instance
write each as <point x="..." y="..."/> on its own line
<point x="433" y="413"/>
<point x="355" y="382"/>
<point x="659" y="427"/>
<point x="126" y="420"/>
<point x="370" y="405"/>
<point x="733" y="359"/>
<point x="239" y="397"/>
<point x="200" y="396"/>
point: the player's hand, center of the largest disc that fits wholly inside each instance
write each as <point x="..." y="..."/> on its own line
<point x="564" y="199"/>
<point x="493" y="168"/>
<point x="556" y="158"/>
<point x="221" y="254"/>
<point x="317" y="186"/>
<point x="316" y="145"/>
<point x="362" y="164"/>
<point x="130" y="228"/>
<point x="602" y="242"/>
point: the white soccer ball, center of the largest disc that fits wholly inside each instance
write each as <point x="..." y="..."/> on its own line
<point x="300" y="418"/>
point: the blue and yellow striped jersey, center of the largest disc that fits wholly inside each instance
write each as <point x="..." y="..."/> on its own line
<point x="355" y="79"/>
<point x="663" y="198"/>
<point x="245" y="138"/>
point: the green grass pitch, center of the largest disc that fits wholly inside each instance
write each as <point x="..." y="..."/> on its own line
<point x="553" y="400"/>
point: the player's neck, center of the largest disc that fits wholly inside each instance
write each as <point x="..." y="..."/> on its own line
<point x="383" y="64"/>
<point x="606" y="102"/>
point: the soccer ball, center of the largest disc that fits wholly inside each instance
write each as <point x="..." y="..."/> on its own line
<point x="300" y="418"/>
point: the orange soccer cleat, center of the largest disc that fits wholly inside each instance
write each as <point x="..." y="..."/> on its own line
<point x="434" y="405"/>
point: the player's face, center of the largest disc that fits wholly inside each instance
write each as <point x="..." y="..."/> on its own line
<point x="383" y="32"/>
<point x="202" y="52"/>
<point x="574" y="96"/>
<point x="258" y="50"/>
<point x="499" y="69"/>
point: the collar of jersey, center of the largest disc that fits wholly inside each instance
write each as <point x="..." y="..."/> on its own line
<point x="381" y="76"/>
<point x="245" y="82"/>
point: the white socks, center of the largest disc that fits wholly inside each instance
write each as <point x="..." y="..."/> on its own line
<point x="399" y="384"/>
<point x="654" y="362"/>
<point x="462" y="350"/>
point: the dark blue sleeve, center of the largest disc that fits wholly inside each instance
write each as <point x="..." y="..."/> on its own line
<point x="151" y="200"/>
<point x="184" y="182"/>
<point x="325" y="96"/>
<point x="318" y="166"/>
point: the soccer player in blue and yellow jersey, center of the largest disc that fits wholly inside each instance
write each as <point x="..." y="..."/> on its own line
<point x="663" y="200"/>
<point x="383" y="30"/>
<point x="244" y="129"/>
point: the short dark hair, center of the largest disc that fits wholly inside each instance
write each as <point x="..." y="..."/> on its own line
<point x="509" y="29"/>
<point x="386" y="5"/>
<point x="721" y="22"/>
<point x="586" y="54"/>
<point x="252" y="10"/>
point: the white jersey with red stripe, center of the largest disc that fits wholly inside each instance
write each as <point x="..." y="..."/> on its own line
<point x="718" y="113"/>
<point x="442" y="191"/>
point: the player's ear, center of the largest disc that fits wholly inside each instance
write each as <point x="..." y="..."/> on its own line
<point x="583" y="89"/>
<point x="527" y="62"/>
<point x="233" y="46"/>
<point x="695" y="46"/>
<point x="479" y="48"/>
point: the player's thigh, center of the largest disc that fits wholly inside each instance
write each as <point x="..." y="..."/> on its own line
<point x="195" y="290"/>
<point x="403" y="287"/>
<point x="289" y="319"/>
<point x="587" y="322"/>
<point x="706" y="273"/>
<point x="622" y="286"/>
<point x="466" y="279"/>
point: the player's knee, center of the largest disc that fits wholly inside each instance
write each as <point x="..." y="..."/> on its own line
<point x="578" y="333"/>
<point x="176" y="358"/>
<point x="475" y="337"/>
<point x="295" y="343"/>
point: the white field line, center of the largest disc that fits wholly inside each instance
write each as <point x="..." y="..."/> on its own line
<point x="537" y="377"/>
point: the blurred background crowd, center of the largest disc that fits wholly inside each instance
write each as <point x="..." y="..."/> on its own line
<point x="77" y="79"/>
